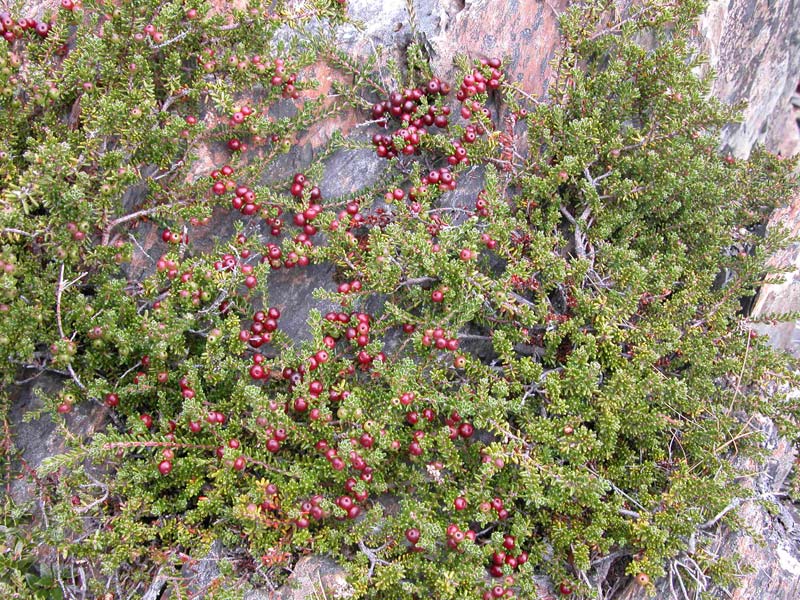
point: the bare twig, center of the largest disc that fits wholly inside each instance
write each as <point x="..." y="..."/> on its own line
<point x="13" y="231"/>
<point x="100" y="500"/>
<point x="177" y="38"/>
<point x="735" y="503"/>
<point x="416" y="281"/>
<point x="59" y="291"/>
<point x="372" y="556"/>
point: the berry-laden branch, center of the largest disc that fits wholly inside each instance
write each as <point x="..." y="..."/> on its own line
<point x="476" y="383"/>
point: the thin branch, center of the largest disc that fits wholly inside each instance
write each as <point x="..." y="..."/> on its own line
<point x="735" y="503"/>
<point x="177" y="38"/>
<point x="372" y="556"/>
<point x="129" y="217"/>
<point x="99" y="500"/>
<point x="416" y="281"/>
<point x="59" y="290"/>
<point x="13" y="231"/>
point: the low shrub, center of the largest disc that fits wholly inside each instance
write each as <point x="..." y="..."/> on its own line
<point x="527" y="356"/>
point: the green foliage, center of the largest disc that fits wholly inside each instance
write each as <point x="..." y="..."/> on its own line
<point x="556" y="350"/>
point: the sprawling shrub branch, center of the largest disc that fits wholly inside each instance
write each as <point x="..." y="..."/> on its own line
<point x="527" y="362"/>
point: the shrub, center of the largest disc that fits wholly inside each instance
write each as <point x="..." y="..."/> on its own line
<point x="544" y="373"/>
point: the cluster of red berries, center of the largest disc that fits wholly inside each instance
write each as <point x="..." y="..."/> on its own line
<point x="187" y="391"/>
<point x="413" y="417"/>
<point x="438" y="337"/>
<point x="13" y="30"/>
<point x="310" y="508"/>
<point x="408" y="140"/>
<point x="358" y="332"/>
<point x="151" y="32"/>
<point x="257" y="370"/>
<point x="441" y="177"/>
<point x="240" y="115"/>
<point x="404" y="107"/>
<point x="349" y="287"/>
<point x="455" y="536"/>
<point x="228" y="262"/>
<point x="495" y="503"/>
<point x="331" y="455"/>
<point x="482" y="204"/>
<point x="282" y="79"/>
<point x="458" y="427"/>
<point x="349" y="506"/>
<point x="320" y="357"/>
<point x="220" y="186"/>
<point x="244" y="201"/>
<point x="214" y="417"/>
<point x="276" y="437"/>
<point x="477" y="83"/>
<point x="352" y="212"/>
<point x="497" y="591"/>
<point x="77" y="234"/>
<point x="260" y="333"/>
<point x="505" y="557"/>
<point x="299" y="184"/>
<point x="459" y="155"/>
<point x="164" y="264"/>
<point x="277" y="68"/>
<point x="488" y="241"/>
<point x="250" y="280"/>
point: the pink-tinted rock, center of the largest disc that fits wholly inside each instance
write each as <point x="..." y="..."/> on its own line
<point x="526" y="31"/>
<point x="778" y="298"/>
<point x="754" y="47"/>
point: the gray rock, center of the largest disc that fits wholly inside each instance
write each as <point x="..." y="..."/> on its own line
<point x="39" y="438"/>
<point x="312" y="577"/>
<point x="754" y="48"/>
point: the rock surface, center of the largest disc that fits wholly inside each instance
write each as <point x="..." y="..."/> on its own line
<point x="38" y="438"/>
<point x="778" y="298"/>
<point x="312" y="577"/>
<point x="754" y="47"/>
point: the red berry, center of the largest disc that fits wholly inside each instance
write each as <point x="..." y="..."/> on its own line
<point x="412" y="535"/>
<point x="164" y="467"/>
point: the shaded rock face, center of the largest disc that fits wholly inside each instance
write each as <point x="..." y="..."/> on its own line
<point x="38" y="438"/>
<point x="777" y="298"/>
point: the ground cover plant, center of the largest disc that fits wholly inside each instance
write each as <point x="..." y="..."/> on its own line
<point x="536" y="383"/>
